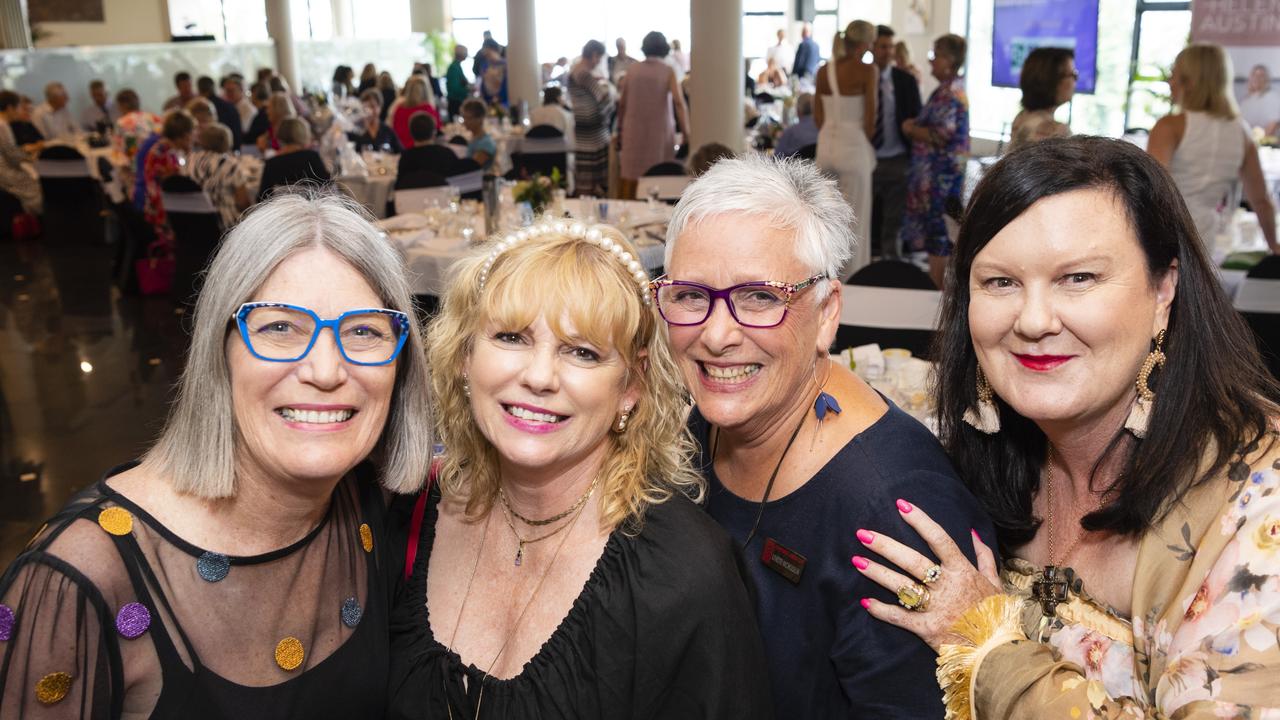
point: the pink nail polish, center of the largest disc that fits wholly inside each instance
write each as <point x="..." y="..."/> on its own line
<point x="860" y="562"/>
<point x="976" y="536"/>
<point x="866" y="537"/>
<point x="865" y="603"/>
<point x="904" y="507"/>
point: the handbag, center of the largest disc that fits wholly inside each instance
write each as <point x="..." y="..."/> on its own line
<point x="155" y="271"/>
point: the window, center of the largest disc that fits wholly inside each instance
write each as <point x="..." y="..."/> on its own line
<point x="1163" y="30"/>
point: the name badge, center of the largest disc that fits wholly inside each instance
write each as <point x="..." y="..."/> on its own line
<point x="786" y="562"/>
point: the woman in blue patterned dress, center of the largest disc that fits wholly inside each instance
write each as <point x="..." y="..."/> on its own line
<point x="939" y="143"/>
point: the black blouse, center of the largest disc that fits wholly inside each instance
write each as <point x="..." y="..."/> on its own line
<point x="110" y="614"/>
<point x="663" y="628"/>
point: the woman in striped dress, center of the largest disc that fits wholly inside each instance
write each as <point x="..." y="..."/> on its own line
<point x="593" y="100"/>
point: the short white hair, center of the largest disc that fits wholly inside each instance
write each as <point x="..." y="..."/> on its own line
<point x="787" y="193"/>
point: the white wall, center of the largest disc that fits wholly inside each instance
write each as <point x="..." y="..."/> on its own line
<point x="125" y="22"/>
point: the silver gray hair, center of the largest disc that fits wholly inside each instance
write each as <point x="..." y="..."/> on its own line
<point x="198" y="449"/>
<point x="789" y="194"/>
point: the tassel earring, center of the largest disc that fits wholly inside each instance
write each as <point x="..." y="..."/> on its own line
<point x="986" y="417"/>
<point x="1139" y="419"/>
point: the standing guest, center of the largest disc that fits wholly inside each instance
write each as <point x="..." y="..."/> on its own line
<point x="457" y="89"/>
<point x="181" y="82"/>
<point x="239" y="569"/>
<point x="164" y="159"/>
<point x="386" y="86"/>
<point x="1048" y="80"/>
<point x="25" y="132"/>
<point x="592" y="98"/>
<point x="803" y="133"/>
<point x="650" y="101"/>
<point x="1130" y="459"/>
<point x="342" y="85"/>
<point x="233" y="92"/>
<point x="898" y="99"/>
<point x="619" y="64"/>
<point x="781" y="53"/>
<point x="425" y="156"/>
<point x="278" y="108"/>
<point x="1260" y="107"/>
<point x="553" y="113"/>
<point x="681" y="57"/>
<point x="796" y="487"/>
<point x="295" y="162"/>
<point x="939" y="145"/>
<point x="1207" y="149"/>
<point x="101" y="113"/>
<point x="807" y="56"/>
<point x="417" y="98"/>
<point x="226" y="111"/>
<point x="220" y="174"/>
<point x="14" y="177"/>
<point x="902" y="60"/>
<point x="134" y="126"/>
<point x="368" y="78"/>
<point x="847" y="91"/>
<point x="493" y="82"/>
<point x="561" y="568"/>
<point x="52" y="117"/>
<point x="373" y="134"/>
<point x="482" y="148"/>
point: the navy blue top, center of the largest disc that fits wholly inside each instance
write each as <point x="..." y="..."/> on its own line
<point x="827" y="657"/>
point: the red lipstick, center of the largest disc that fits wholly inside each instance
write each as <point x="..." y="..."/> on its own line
<point x="1042" y="363"/>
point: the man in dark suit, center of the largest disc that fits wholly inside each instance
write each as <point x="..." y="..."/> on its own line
<point x="807" y="55"/>
<point x="899" y="99"/>
<point x="226" y="113"/>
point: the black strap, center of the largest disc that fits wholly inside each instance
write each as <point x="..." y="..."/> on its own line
<point x="715" y="441"/>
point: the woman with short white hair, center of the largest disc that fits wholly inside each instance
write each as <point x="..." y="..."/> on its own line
<point x="798" y="452"/>
<point x="238" y="569"/>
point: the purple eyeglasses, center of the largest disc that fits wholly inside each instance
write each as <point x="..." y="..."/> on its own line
<point x="761" y="304"/>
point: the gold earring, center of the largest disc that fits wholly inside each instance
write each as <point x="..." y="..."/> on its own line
<point x="1139" y="419"/>
<point x="986" y="417"/>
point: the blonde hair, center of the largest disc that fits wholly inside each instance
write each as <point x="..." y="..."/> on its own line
<point x="1205" y="72"/>
<point x="418" y="92"/>
<point x="198" y="449"/>
<point x="559" y="277"/>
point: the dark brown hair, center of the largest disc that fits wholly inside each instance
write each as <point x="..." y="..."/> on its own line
<point x="1041" y="73"/>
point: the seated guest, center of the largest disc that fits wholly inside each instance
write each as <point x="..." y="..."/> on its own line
<point x="233" y="92"/>
<point x="342" y="85"/>
<point x="201" y="110"/>
<point x="25" y="132"/>
<point x="277" y="109"/>
<point x="101" y="113"/>
<point x="386" y="86"/>
<point x="373" y="133"/>
<point x="425" y="156"/>
<point x="801" y="457"/>
<point x="368" y="79"/>
<point x="134" y="125"/>
<point x="14" y="177"/>
<point x="241" y="563"/>
<point x="53" y="118"/>
<point x="772" y="77"/>
<point x="482" y="148"/>
<point x="163" y="159"/>
<point x="224" y="110"/>
<point x="561" y="568"/>
<point x="295" y="163"/>
<point x="803" y="133"/>
<point x="261" y="121"/>
<point x="706" y="156"/>
<point x="553" y="113"/>
<point x="220" y="174"/>
<point x="1048" y="80"/>
<point x="181" y="82"/>
<point x="417" y="98"/>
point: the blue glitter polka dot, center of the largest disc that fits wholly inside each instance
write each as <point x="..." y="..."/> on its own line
<point x="213" y="566"/>
<point x="351" y="612"/>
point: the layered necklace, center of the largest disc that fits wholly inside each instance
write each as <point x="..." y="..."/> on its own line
<point x="510" y="515"/>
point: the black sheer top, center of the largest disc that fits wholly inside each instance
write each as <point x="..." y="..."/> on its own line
<point x="109" y="614"/>
<point x="663" y="628"/>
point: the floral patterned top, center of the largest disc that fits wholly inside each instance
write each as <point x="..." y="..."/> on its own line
<point x="1202" y="642"/>
<point x="131" y="130"/>
<point x="937" y="169"/>
<point x="161" y="162"/>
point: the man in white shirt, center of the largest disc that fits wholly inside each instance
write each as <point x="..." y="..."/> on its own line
<point x="898" y="100"/>
<point x="233" y="92"/>
<point x="53" y="118"/>
<point x="1261" y="107"/>
<point x="101" y="112"/>
<point x="782" y="54"/>
<point x="553" y="113"/>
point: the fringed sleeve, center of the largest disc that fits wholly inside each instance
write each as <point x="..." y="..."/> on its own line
<point x="992" y="622"/>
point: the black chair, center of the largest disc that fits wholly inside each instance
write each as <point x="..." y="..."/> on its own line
<point x="10" y="208"/>
<point x="457" y="140"/>
<point x="892" y="303"/>
<point x="542" y="151"/>
<point x="197" y="230"/>
<point x="75" y="232"/>
<point x="468" y="177"/>
<point x="419" y="179"/>
<point x="665" y="168"/>
<point x="1258" y="301"/>
<point x="808" y="152"/>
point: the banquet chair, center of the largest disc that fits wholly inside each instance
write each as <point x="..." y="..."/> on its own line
<point x="468" y="178"/>
<point x="665" y="168"/>
<point x="892" y="303"/>
<point x="410" y="201"/>
<point x="1258" y="301"/>
<point x="542" y="150"/>
<point x="808" y="152"/>
<point x="197" y="230"/>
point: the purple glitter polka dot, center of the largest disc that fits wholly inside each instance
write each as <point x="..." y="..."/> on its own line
<point x="133" y="620"/>
<point x="351" y="612"/>
<point x="6" y="623"/>
<point x="213" y="566"/>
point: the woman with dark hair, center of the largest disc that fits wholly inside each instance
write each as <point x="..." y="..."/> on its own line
<point x="368" y="78"/>
<point x="372" y="133"/>
<point x="1108" y="406"/>
<point x="342" y="86"/>
<point x="1048" y="80"/>
<point x="592" y="98"/>
<point x="646" y="134"/>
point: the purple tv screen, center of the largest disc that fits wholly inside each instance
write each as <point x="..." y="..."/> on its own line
<point x="1021" y="26"/>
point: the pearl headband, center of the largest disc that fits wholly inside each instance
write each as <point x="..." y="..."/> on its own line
<point x="594" y="234"/>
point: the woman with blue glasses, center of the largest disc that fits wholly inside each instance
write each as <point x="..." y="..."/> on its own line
<point x="239" y="569"/>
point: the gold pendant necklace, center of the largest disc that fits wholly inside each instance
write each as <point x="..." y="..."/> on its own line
<point x="1050" y="590"/>
<point x="520" y="539"/>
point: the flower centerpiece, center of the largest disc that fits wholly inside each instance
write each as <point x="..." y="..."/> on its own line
<point x="538" y="190"/>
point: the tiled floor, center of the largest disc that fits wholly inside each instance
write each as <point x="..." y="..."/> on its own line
<point x="85" y="376"/>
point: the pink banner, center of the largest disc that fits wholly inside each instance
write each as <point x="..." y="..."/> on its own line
<point x="1239" y="23"/>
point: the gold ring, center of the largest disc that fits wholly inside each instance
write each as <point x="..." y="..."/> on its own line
<point x="932" y="574"/>
<point x="914" y="597"/>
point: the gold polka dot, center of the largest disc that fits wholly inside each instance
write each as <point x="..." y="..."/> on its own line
<point x="116" y="521"/>
<point x="289" y="653"/>
<point x="1075" y="712"/>
<point x="366" y="537"/>
<point x="53" y="687"/>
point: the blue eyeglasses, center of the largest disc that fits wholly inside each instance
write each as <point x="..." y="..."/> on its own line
<point x="279" y="332"/>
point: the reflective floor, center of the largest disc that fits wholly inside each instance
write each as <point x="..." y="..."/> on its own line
<point x="85" y="377"/>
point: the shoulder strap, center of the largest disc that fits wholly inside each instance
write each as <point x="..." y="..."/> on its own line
<point x="415" y="524"/>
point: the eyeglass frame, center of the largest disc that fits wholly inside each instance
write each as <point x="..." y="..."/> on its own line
<point x="791" y="290"/>
<point x="242" y="313"/>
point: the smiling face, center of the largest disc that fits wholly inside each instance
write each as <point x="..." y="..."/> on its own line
<point x="314" y="419"/>
<point x="1062" y="310"/>
<point x="743" y="379"/>
<point x="545" y="401"/>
